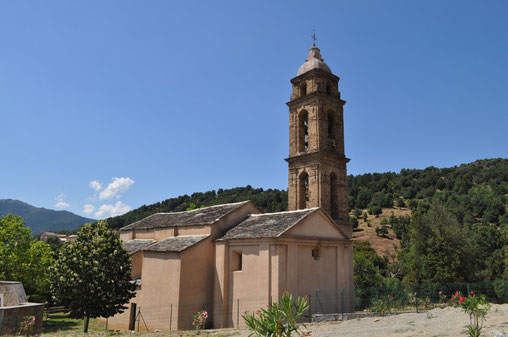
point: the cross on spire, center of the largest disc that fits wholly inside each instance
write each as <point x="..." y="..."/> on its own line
<point x="314" y="38"/>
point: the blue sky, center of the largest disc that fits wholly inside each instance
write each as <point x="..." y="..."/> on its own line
<point x="116" y="104"/>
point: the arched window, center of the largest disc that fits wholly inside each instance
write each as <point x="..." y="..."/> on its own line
<point x="303" y="131"/>
<point x="334" y="205"/>
<point x="303" y="190"/>
<point x="332" y="140"/>
<point x="303" y="89"/>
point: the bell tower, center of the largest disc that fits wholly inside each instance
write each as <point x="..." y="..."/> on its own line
<point x="317" y="162"/>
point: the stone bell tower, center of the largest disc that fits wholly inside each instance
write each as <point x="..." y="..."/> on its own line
<point x="317" y="162"/>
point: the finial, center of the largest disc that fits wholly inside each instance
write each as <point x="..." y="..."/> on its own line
<point x="314" y="38"/>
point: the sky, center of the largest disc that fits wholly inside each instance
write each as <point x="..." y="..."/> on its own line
<point x="109" y="105"/>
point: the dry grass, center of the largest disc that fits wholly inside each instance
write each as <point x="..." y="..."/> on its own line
<point x="384" y="246"/>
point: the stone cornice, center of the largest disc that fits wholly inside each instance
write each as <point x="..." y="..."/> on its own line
<point x="312" y="97"/>
<point x="314" y="73"/>
<point x="318" y="155"/>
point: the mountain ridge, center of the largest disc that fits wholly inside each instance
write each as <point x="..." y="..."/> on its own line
<point x="41" y="219"/>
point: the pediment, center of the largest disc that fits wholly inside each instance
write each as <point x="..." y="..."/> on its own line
<point x="315" y="225"/>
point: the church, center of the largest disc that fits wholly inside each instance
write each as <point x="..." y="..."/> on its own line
<point x="232" y="258"/>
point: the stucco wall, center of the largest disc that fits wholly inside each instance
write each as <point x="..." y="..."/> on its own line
<point x="196" y="282"/>
<point x="160" y="286"/>
<point x="137" y="264"/>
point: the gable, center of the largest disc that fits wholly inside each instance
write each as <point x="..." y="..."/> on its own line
<point x="315" y="225"/>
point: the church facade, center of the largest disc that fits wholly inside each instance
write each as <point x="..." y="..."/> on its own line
<point x="229" y="259"/>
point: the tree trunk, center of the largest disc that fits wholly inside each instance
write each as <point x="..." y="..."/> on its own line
<point x="87" y="320"/>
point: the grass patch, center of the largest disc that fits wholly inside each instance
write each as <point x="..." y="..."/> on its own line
<point x="59" y="323"/>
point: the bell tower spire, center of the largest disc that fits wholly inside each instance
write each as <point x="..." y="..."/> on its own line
<point x="317" y="161"/>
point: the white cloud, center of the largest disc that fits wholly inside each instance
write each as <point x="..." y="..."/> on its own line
<point x="119" y="185"/>
<point x="95" y="185"/>
<point x="108" y="210"/>
<point x="60" y="203"/>
<point x="88" y="209"/>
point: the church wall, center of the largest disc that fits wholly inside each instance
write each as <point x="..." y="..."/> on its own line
<point x="249" y="287"/>
<point x="220" y="284"/>
<point x="126" y="235"/>
<point x="143" y="234"/>
<point x="317" y="274"/>
<point x="193" y="230"/>
<point x="159" y="288"/>
<point x="137" y="264"/>
<point x="196" y="282"/>
<point x="164" y="233"/>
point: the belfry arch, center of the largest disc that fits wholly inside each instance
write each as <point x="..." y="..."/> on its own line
<point x="303" y="131"/>
<point x="303" y="190"/>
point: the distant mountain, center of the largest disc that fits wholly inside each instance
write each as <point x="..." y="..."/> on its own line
<point x="42" y="219"/>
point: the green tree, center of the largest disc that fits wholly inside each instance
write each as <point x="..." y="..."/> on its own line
<point x="357" y="213"/>
<point x="400" y="202"/>
<point x="92" y="276"/>
<point x="437" y="250"/>
<point x="23" y="258"/>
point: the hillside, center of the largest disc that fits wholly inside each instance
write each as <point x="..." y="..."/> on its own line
<point x="41" y="219"/>
<point x="475" y="192"/>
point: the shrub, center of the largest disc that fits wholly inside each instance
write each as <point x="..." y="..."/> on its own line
<point x="200" y="320"/>
<point x="381" y="231"/>
<point x="354" y="222"/>
<point x="477" y="307"/>
<point x="279" y="319"/>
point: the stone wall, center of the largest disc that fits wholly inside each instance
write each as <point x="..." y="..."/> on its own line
<point x="12" y="317"/>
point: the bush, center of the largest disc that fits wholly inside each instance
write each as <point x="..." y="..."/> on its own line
<point x="381" y="231"/>
<point x="279" y="319"/>
<point x="354" y="222"/>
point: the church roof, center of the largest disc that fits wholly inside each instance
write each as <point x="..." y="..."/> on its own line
<point x="314" y="61"/>
<point x="135" y="245"/>
<point x="267" y="225"/>
<point x="175" y="244"/>
<point x="200" y="216"/>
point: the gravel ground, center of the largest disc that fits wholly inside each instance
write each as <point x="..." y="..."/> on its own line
<point x="437" y="322"/>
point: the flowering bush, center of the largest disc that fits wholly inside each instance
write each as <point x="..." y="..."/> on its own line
<point x="200" y="320"/>
<point x="476" y="306"/>
<point x="279" y="319"/>
<point x="28" y="324"/>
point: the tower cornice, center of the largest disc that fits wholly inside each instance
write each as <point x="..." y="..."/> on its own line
<point x="317" y="155"/>
<point x="314" y="73"/>
<point x="314" y="96"/>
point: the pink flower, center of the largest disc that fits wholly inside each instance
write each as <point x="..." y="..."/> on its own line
<point x="461" y="299"/>
<point x="457" y="294"/>
<point x="471" y="293"/>
<point x="453" y="299"/>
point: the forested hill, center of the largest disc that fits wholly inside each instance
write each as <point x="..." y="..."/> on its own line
<point x="475" y="192"/>
<point x="41" y="219"/>
<point x="271" y="200"/>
